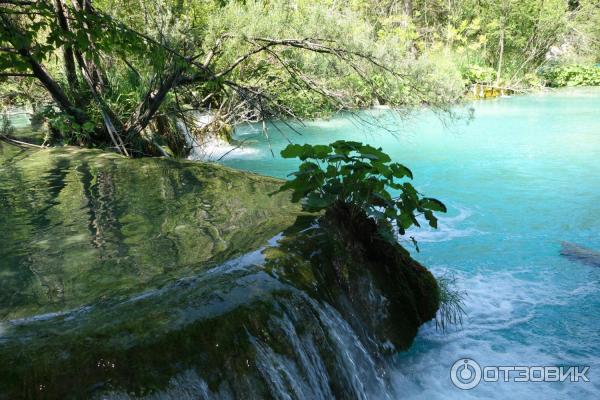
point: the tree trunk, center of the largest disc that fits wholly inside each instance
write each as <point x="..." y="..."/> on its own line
<point x="407" y="8"/>
<point x="70" y="71"/>
<point x="107" y="114"/>
<point x="58" y="95"/>
<point x="152" y="102"/>
<point x="500" y="57"/>
<point x="95" y="74"/>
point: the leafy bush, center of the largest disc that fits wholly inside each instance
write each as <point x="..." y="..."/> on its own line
<point x="66" y="125"/>
<point x="6" y="127"/>
<point x="359" y="176"/>
<point x="346" y="87"/>
<point x="476" y="74"/>
<point x="571" y="75"/>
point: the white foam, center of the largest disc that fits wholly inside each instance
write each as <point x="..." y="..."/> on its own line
<point x="217" y="149"/>
<point x="209" y="148"/>
<point x="503" y="327"/>
<point x="448" y="228"/>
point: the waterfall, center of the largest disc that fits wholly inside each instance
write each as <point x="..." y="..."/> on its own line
<point x="207" y="147"/>
<point x="304" y="349"/>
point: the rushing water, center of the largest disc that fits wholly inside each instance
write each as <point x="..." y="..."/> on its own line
<point x="520" y="178"/>
<point x="167" y="279"/>
<point x="126" y="278"/>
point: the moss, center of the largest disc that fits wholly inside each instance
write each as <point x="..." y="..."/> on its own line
<point x="120" y="251"/>
<point x="371" y="281"/>
<point x="96" y="224"/>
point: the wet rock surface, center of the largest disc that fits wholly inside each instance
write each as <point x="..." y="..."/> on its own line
<point x="128" y="278"/>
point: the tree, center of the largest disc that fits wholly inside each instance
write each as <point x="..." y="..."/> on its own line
<point x="157" y="56"/>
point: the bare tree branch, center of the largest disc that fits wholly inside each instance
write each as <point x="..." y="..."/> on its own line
<point x="18" y="74"/>
<point x="18" y="2"/>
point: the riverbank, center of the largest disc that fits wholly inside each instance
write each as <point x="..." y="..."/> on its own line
<point x="206" y="137"/>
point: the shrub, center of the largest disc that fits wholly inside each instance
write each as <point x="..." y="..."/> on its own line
<point x="571" y="75"/>
<point x="478" y="74"/>
<point x="361" y="177"/>
<point x="6" y="128"/>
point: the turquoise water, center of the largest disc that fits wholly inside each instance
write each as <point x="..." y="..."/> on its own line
<point x="520" y="178"/>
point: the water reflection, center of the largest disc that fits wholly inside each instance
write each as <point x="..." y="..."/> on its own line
<point x="77" y="226"/>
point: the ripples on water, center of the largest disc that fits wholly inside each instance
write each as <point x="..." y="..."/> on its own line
<point x="133" y="255"/>
<point x="520" y="178"/>
<point x="122" y="278"/>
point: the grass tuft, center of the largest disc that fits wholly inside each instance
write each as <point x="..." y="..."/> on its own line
<point x="451" y="310"/>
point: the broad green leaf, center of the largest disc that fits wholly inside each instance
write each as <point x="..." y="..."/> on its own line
<point x="292" y="151"/>
<point x="358" y="175"/>
<point x="337" y="157"/>
<point x="432" y="204"/>
<point x="316" y="202"/>
<point x="431" y="219"/>
<point x="372" y="153"/>
<point x="400" y="171"/>
<point x="321" y="151"/>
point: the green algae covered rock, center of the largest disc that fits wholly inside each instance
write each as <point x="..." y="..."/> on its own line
<point x="161" y="279"/>
<point x="82" y="225"/>
<point x="384" y="293"/>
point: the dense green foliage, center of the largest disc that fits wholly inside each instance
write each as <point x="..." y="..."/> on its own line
<point x="572" y="75"/>
<point x="361" y="177"/>
<point x="118" y="73"/>
<point x="501" y="42"/>
<point x="6" y="127"/>
<point x="415" y="81"/>
<point x="105" y="79"/>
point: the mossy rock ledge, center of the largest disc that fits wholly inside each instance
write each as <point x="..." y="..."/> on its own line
<point x="162" y="279"/>
<point x="377" y="286"/>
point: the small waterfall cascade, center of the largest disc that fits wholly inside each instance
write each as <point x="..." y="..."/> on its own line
<point x="209" y="145"/>
<point x="304" y="348"/>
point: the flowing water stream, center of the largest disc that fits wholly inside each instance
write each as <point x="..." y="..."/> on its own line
<point x="520" y="178"/>
<point x="147" y="278"/>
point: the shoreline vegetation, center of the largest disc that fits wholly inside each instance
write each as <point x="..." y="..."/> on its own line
<point x="210" y="130"/>
<point x="109" y="74"/>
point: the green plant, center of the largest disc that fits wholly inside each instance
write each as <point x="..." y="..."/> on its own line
<point x="451" y="310"/>
<point x="67" y="126"/>
<point x="571" y="75"/>
<point x="361" y="177"/>
<point x="478" y="74"/>
<point x="6" y="128"/>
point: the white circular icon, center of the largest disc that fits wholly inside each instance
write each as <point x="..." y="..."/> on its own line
<point x="465" y="374"/>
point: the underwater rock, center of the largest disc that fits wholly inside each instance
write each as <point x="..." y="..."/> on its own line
<point x="79" y="225"/>
<point x="581" y="254"/>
